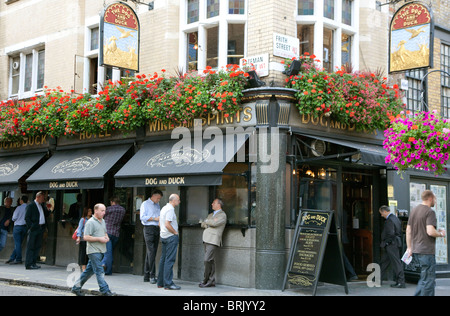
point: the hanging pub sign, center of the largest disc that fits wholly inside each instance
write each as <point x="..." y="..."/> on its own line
<point x="411" y="38"/>
<point x="119" y="37"/>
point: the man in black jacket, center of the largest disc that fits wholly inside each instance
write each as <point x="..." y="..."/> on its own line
<point x="36" y="212"/>
<point x="391" y="241"/>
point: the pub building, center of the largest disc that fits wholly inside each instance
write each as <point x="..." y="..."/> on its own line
<point x="266" y="163"/>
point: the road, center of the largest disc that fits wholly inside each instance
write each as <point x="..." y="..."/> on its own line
<point x="7" y="289"/>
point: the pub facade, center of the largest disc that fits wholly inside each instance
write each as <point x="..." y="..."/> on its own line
<point x="269" y="162"/>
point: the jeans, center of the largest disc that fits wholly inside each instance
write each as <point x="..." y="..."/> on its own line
<point x="3" y="237"/>
<point x="19" y="233"/>
<point x="427" y="281"/>
<point x="94" y="266"/>
<point x="168" y="256"/>
<point x="109" y="255"/>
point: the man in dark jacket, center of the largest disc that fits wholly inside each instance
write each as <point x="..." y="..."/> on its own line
<point x="6" y="212"/>
<point x="36" y="212"/>
<point x="391" y="241"/>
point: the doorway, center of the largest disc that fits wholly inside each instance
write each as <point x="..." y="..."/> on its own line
<point x="357" y="219"/>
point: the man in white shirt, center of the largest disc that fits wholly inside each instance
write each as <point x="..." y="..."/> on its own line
<point x="19" y="231"/>
<point x="149" y="215"/>
<point x="169" y="239"/>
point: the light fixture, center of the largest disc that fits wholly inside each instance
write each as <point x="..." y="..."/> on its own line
<point x="253" y="79"/>
<point x="321" y="173"/>
<point x="294" y="68"/>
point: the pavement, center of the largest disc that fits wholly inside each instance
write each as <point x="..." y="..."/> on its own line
<point x="132" y="285"/>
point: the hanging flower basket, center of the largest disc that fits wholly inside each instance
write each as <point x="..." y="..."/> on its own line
<point x="361" y="99"/>
<point x="420" y="142"/>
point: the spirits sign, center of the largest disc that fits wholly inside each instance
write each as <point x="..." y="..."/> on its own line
<point x="119" y="37"/>
<point x="411" y="38"/>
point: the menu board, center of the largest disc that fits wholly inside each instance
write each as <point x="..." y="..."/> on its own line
<point x="313" y="242"/>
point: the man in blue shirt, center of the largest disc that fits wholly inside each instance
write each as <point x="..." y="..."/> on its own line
<point x="19" y="231"/>
<point x="149" y="214"/>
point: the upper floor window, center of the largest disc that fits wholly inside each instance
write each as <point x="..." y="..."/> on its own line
<point x="326" y="29"/>
<point x="214" y="33"/>
<point x="26" y="75"/>
<point x="445" y="81"/>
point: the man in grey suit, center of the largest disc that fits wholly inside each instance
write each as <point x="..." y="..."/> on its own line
<point x="391" y="241"/>
<point x="214" y="225"/>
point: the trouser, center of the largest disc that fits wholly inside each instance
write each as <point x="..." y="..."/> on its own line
<point x="19" y="233"/>
<point x="109" y="255"/>
<point x="94" y="266"/>
<point x="168" y="256"/>
<point x="427" y="281"/>
<point x="210" y="264"/>
<point x="151" y="237"/>
<point x="392" y="257"/>
<point x="34" y="245"/>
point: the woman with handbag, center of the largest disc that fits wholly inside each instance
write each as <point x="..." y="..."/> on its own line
<point x="82" y="257"/>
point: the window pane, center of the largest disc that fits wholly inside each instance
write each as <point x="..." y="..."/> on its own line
<point x="197" y="204"/>
<point x="235" y="43"/>
<point x="212" y="8"/>
<point x="236" y="6"/>
<point x="305" y="7"/>
<point x="328" y="9"/>
<point x="212" y="53"/>
<point x="28" y="72"/>
<point x="328" y="49"/>
<point x="41" y="69"/>
<point x="306" y="38"/>
<point x="192" y="15"/>
<point x="346" y="50"/>
<point x="234" y="193"/>
<point x="15" y="74"/>
<point x="192" y="57"/>
<point x="94" y="38"/>
<point x="347" y="12"/>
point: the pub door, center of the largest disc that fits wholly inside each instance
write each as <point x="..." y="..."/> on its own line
<point x="357" y="220"/>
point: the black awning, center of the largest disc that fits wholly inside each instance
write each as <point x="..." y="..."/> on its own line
<point x="76" y="168"/>
<point x="368" y="153"/>
<point x="169" y="163"/>
<point x="12" y="168"/>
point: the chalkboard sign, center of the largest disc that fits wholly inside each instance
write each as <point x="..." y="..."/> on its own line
<point x="316" y="252"/>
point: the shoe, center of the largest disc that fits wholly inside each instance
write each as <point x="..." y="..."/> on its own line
<point x="153" y="280"/>
<point x="353" y="278"/>
<point x="398" y="285"/>
<point x="203" y="285"/>
<point x="77" y="292"/>
<point x="146" y="280"/>
<point x="16" y="262"/>
<point x="33" y="267"/>
<point x="9" y="261"/>
<point x="172" y="287"/>
<point x="109" y="293"/>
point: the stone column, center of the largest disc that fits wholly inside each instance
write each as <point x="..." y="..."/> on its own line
<point x="270" y="262"/>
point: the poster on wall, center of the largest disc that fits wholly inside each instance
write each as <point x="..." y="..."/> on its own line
<point x="119" y="37"/>
<point x="411" y="38"/>
<point x="441" y="215"/>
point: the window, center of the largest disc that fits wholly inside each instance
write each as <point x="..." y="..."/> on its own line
<point x="325" y="29"/>
<point x="328" y="9"/>
<point x="193" y="11"/>
<point x="347" y="12"/>
<point x="328" y="49"/>
<point x="212" y="8"/>
<point x="215" y="33"/>
<point x="445" y="81"/>
<point x="26" y="73"/>
<point x="236" y="6"/>
<point x="306" y="37"/>
<point x="95" y="76"/>
<point x="413" y="95"/>
<point x="305" y="7"/>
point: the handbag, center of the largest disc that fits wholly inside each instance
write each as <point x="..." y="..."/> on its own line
<point x="74" y="236"/>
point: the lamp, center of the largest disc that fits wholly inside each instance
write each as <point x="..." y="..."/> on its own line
<point x="294" y="68"/>
<point x="253" y="79"/>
